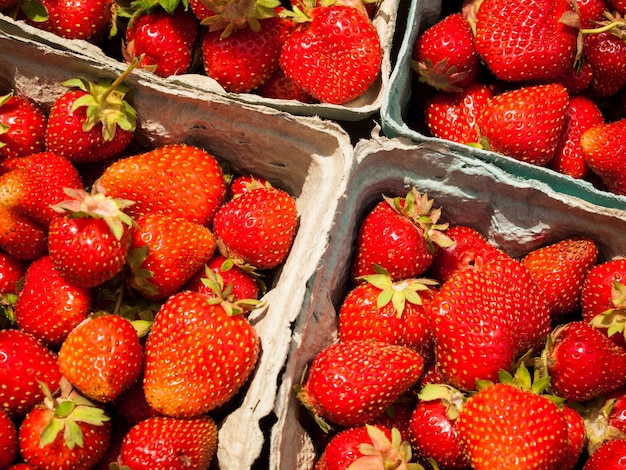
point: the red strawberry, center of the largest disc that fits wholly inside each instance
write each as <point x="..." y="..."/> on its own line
<point x="591" y="12"/>
<point x="401" y="235"/>
<point x="22" y="127"/>
<point x="102" y="357"/>
<point x="92" y="121"/>
<point x="279" y="87"/>
<point x="163" y="40"/>
<point x="618" y="5"/>
<point x="606" y="54"/>
<point x="497" y="313"/>
<point x="582" y="114"/>
<point x="525" y="123"/>
<point x="559" y="269"/>
<point x="576" y="436"/>
<point x="257" y="227"/>
<point x="66" y="432"/>
<point x="89" y="244"/>
<point x="166" y="252"/>
<point x="132" y="405"/>
<point x="452" y="116"/>
<point x="150" y="178"/>
<point x="583" y="363"/>
<point x="48" y="306"/>
<point x="604" y="146"/>
<point x="335" y="56"/>
<point x="198" y="355"/>
<point x="523" y="40"/>
<point x="26" y="362"/>
<point x="365" y="445"/>
<point x="201" y="10"/>
<point x="163" y="443"/>
<point x="11" y="272"/>
<point x="577" y="79"/>
<point x="352" y="382"/>
<point x="444" y="55"/>
<point x="8" y="440"/>
<point x="243" y="59"/>
<point x="611" y="454"/>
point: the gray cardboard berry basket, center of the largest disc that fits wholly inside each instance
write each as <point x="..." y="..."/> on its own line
<point x="359" y="109"/>
<point x="398" y="103"/>
<point x="514" y="213"/>
<point x="306" y="156"/>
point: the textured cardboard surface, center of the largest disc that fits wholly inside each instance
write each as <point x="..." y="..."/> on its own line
<point x="514" y="213"/>
<point x="396" y="106"/>
<point x="308" y="157"/>
<point x="361" y="108"/>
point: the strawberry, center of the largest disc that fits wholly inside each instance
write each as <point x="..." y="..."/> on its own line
<point x="8" y="440"/>
<point x="525" y="123"/>
<point x="583" y="363"/>
<point x="166" y="252"/>
<point x="559" y="269"/>
<point x="577" y="79"/>
<point x="398" y="416"/>
<point x="498" y="313"/>
<point x="89" y="244"/>
<point x="618" y="5"/>
<point x="611" y="454"/>
<point x="334" y="55"/>
<point x="243" y="59"/>
<point x="22" y="127"/>
<point x="603" y="146"/>
<point x="132" y="405"/>
<point x="65" y="432"/>
<point x="350" y="383"/>
<point x="92" y="121"/>
<point x="576" y="436"/>
<point x="278" y="86"/>
<point x="198" y="355"/>
<point x="444" y="55"/>
<point x="257" y="227"/>
<point x="163" y="40"/>
<point x="11" y="272"/>
<point x="511" y="425"/>
<point x="452" y="116"/>
<point x="150" y="178"/>
<point x="48" y="306"/>
<point x="591" y="12"/>
<point x="102" y="357"/>
<point x="522" y="41"/>
<point x="164" y="443"/>
<point x="26" y="362"/>
<point x="365" y="446"/>
<point x="401" y="235"/>
<point x="568" y="159"/>
<point x="606" y="54"/>
<point x="201" y="10"/>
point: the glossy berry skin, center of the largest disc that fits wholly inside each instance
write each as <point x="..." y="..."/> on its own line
<point x="611" y="454"/>
<point x="606" y="54"/>
<point x="603" y="148"/>
<point x="576" y="436"/>
<point x="597" y="289"/>
<point x="22" y="127"/>
<point x="8" y="440"/>
<point x="11" y="271"/>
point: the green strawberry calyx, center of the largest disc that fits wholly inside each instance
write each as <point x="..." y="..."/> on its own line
<point x="451" y="397"/>
<point x="613" y="319"/>
<point x="225" y="297"/>
<point x="234" y="14"/>
<point x="384" y="453"/>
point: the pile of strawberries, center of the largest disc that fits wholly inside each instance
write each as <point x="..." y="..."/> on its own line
<point x="126" y="280"/>
<point x="540" y="81"/>
<point x="453" y="354"/>
<point x="309" y="51"/>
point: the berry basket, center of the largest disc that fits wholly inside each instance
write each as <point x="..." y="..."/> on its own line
<point x="359" y="109"/>
<point x="514" y="213"/>
<point x="307" y="157"/>
<point x="400" y="114"/>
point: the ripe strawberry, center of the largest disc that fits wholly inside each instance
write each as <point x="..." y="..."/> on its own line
<point x="92" y="121"/>
<point x="26" y="362"/>
<point x="582" y="114"/>
<point x="365" y="446"/>
<point x="401" y="235"/>
<point x="583" y="363"/>
<point x="559" y="269"/>
<point x="132" y="405"/>
<point x="243" y="59"/>
<point x="509" y="425"/>
<point x="603" y="148"/>
<point x="163" y="40"/>
<point x="591" y="12"/>
<point x="444" y="55"/>
<point x="201" y="10"/>
<point x="164" y="443"/>
<point x="525" y="123"/>
<point x="166" y="252"/>
<point x="606" y="54"/>
<point x="65" y="432"/>
<point x="452" y="116"/>
<point x="618" y="5"/>
<point x="576" y="436"/>
<point x="8" y="440"/>
<point x="257" y="227"/>
<point x="497" y="313"/>
<point x="398" y="416"/>
<point x="149" y="179"/>
<point x="22" y="127"/>
<point x="577" y="79"/>
<point x="335" y="56"/>
<point x="48" y="306"/>
<point x="611" y="454"/>
<point x="523" y="40"/>
<point x="89" y="244"/>
<point x="102" y="357"/>
<point x="198" y="355"/>
<point x="11" y="272"/>
<point x="350" y="383"/>
<point x="279" y="87"/>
